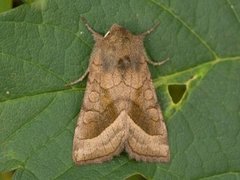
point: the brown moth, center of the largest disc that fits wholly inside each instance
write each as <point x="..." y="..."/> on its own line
<point x="120" y="110"/>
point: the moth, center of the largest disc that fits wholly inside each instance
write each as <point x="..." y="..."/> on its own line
<point x="120" y="110"/>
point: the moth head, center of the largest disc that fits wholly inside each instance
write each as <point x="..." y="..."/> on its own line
<point x="117" y="32"/>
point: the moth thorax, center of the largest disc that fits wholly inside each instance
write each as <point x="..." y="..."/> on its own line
<point x="124" y="63"/>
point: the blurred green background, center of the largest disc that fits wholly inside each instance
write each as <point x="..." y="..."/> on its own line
<point x="5" y="5"/>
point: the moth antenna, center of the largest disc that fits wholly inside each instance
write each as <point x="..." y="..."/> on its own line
<point x="94" y="33"/>
<point x="150" y="30"/>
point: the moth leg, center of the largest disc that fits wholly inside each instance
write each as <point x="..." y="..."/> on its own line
<point x="156" y="63"/>
<point x="95" y="34"/>
<point x="150" y="30"/>
<point x="80" y="79"/>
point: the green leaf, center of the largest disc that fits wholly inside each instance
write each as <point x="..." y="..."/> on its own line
<point x="44" y="45"/>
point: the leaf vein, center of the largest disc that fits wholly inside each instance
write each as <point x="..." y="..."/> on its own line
<point x="234" y="11"/>
<point x="202" y="41"/>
